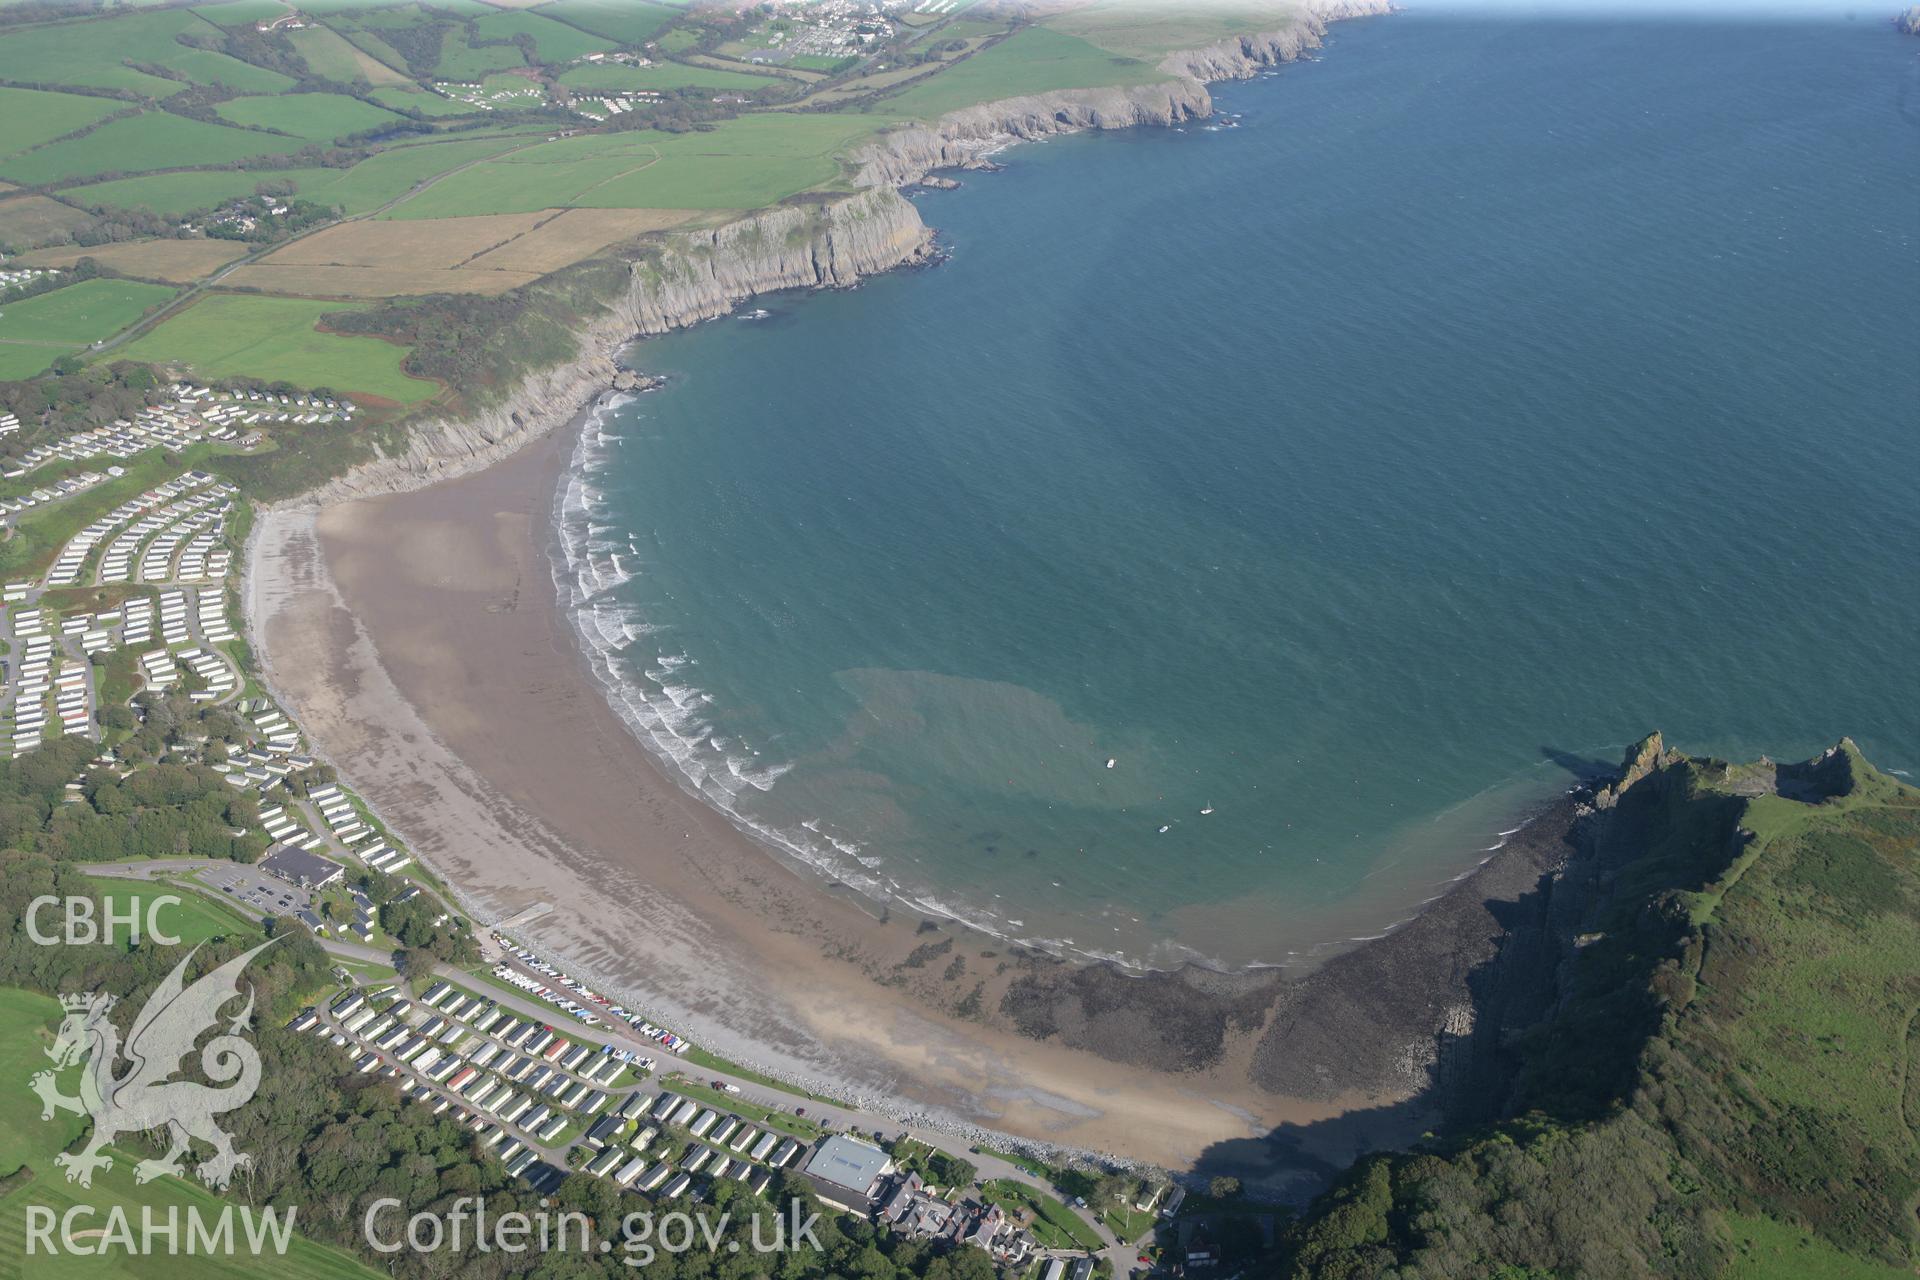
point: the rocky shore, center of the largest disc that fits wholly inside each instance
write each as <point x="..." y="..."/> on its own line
<point x="687" y="278"/>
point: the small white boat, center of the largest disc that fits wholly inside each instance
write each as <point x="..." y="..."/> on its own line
<point x="1204" y="812"/>
<point x="1111" y="762"/>
<point x="1166" y="828"/>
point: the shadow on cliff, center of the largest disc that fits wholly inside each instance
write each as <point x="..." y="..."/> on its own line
<point x="1470" y="1082"/>
<point x="1561" y="1009"/>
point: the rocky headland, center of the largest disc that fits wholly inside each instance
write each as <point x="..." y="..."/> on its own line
<point x="810" y="242"/>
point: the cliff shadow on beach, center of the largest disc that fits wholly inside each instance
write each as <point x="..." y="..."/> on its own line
<point x="1553" y="1017"/>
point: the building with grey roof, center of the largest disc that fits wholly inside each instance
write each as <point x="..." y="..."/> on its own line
<point x="846" y="1173"/>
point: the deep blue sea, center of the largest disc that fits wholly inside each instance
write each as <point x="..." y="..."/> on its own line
<point x="1487" y="393"/>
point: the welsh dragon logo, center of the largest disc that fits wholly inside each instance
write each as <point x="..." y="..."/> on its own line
<point x="145" y="1096"/>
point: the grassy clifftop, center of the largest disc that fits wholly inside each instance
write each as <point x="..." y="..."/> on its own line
<point x="1724" y="1082"/>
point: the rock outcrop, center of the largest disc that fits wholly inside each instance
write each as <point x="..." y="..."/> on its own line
<point x="1242" y="56"/>
<point x="830" y="242"/>
<point x="961" y="139"/>
<point x="684" y="279"/>
<point x="1909" y="21"/>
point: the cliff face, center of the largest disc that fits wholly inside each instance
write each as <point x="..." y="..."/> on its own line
<point x="824" y="246"/>
<point x="831" y="243"/>
<point x="687" y="278"/>
<point x="960" y="139"/>
<point x="1242" y="56"/>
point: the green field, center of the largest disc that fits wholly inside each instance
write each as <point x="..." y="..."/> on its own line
<point x="367" y="185"/>
<point x="617" y="77"/>
<point x="1151" y="31"/>
<point x="370" y="43"/>
<point x="233" y="334"/>
<point x="1032" y="61"/>
<point x="386" y="174"/>
<point x="427" y="104"/>
<point x="766" y="1117"/>
<point x="328" y="54"/>
<point x="27" y="1021"/>
<point x="173" y="194"/>
<point x="464" y="61"/>
<point x="552" y="41"/>
<point x="34" y="117"/>
<point x="194" y="919"/>
<point x="153" y="140"/>
<point x="314" y="116"/>
<point x="627" y="22"/>
<point x="820" y="62"/>
<point x="1726" y="1073"/>
<point x="19" y="361"/>
<point x="50" y="525"/>
<point x="1054" y="1224"/>
<point x="234" y="13"/>
<point x="742" y="163"/>
<point x="79" y="313"/>
<point x="30" y="220"/>
<point x="96" y="51"/>
<point x="1769" y="1250"/>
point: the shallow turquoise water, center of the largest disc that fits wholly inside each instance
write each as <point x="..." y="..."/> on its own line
<point x="1496" y="391"/>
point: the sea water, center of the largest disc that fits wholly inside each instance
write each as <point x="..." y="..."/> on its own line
<point x="1352" y="473"/>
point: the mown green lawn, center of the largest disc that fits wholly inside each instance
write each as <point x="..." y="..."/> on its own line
<point x="48" y="527"/>
<point x="1054" y="1224"/>
<point x="766" y="1117"/>
<point x="80" y="313"/>
<point x="193" y="919"/>
<point x="227" y="335"/>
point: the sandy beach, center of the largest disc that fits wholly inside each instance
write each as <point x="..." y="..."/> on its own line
<point x="417" y="637"/>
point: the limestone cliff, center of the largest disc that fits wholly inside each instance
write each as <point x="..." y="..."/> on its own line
<point x="683" y="279"/>
<point x="830" y="242"/>
<point x="960" y="139"/>
<point x="1242" y="56"/>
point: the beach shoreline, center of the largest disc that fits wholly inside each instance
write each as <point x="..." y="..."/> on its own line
<point x="410" y="616"/>
<point x="419" y="638"/>
<point x="530" y="794"/>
